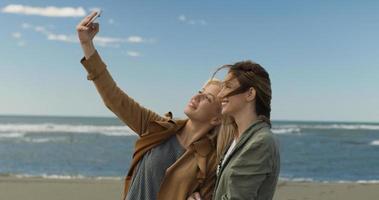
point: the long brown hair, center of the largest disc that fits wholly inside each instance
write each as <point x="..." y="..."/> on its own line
<point x="250" y="74"/>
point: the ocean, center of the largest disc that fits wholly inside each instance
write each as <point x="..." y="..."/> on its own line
<point x="101" y="148"/>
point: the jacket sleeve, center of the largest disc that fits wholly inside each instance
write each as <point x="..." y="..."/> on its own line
<point x="124" y="107"/>
<point x="249" y="171"/>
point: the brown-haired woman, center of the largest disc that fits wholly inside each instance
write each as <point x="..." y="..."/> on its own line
<point x="250" y="167"/>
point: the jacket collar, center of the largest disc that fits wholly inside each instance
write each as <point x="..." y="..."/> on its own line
<point x="249" y="132"/>
<point x="246" y="135"/>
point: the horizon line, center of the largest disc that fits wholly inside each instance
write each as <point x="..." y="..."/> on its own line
<point x="115" y="117"/>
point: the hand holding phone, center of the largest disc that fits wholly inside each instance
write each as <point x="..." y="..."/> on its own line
<point x="87" y="29"/>
<point x="98" y="13"/>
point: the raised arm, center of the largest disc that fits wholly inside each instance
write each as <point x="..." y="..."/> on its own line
<point x="128" y="110"/>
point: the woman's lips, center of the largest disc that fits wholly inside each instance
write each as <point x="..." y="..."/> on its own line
<point x="224" y="102"/>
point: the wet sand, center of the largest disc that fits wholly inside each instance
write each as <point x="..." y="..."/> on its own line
<point x="14" y="188"/>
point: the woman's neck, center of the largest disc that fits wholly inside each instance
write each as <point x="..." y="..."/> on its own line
<point x="192" y="131"/>
<point x="244" y="119"/>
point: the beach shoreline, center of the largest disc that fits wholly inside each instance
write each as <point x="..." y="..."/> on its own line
<point x="17" y="188"/>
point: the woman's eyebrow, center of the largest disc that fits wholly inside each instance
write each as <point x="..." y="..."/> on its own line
<point x="213" y="96"/>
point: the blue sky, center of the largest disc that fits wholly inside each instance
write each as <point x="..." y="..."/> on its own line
<point x="322" y="56"/>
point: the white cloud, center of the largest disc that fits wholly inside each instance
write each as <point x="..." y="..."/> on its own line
<point x="99" y="40"/>
<point x="25" y="25"/>
<point x="135" y="39"/>
<point x="62" y="38"/>
<point x="187" y="20"/>
<point x="133" y="54"/>
<point x="16" y="35"/>
<point x="94" y="9"/>
<point x="112" y="40"/>
<point x="41" y="29"/>
<point x="182" y="18"/>
<point x="50" y="35"/>
<point x="109" y="41"/>
<point x="21" y="43"/>
<point x="202" y="22"/>
<point x="49" y="11"/>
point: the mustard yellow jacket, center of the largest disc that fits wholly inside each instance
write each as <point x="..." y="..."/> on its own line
<point x="194" y="171"/>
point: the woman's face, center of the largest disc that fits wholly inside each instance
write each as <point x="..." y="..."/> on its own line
<point x="205" y="106"/>
<point x="235" y="103"/>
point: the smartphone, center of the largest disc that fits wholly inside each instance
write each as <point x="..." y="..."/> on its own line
<point x="94" y="17"/>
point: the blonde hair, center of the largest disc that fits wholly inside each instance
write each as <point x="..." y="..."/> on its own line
<point x="228" y="128"/>
<point x="213" y="81"/>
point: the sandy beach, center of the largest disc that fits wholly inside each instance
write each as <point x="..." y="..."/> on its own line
<point x="58" y="189"/>
<point x="326" y="191"/>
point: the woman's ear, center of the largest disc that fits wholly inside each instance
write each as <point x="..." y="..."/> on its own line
<point x="251" y="94"/>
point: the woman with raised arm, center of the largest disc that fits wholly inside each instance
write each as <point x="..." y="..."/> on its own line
<point x="172" y="158"/>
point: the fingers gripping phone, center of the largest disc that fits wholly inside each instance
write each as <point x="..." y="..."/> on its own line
<point x="94" y="17"/>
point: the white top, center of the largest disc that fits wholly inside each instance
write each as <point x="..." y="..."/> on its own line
<point x="229" y="151"/>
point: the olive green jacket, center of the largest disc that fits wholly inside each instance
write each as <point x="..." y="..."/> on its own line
<point x="251" y="170"/>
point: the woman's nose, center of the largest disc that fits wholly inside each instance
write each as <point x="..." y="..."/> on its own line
<point x="197" y="97"/>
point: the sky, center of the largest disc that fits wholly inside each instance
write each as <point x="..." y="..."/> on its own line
<point x="322" y="56"/>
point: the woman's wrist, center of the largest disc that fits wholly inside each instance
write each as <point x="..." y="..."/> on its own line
<point x="88" y="48"/>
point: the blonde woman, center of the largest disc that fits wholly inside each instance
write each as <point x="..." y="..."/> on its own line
<point x="172" y="158"/>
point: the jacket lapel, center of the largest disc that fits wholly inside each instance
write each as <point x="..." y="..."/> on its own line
<point x="246" y="135"/>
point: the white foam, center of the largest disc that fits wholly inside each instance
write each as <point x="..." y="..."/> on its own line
<point x="368" y="181"/>
<point x="330" y="181"/>
<point x="108" y="178"/>
<point x="285" y="130"/>
<point x="19" y="130"/>
<point x="375" y="143"/>
<point x="44" y="139"/>
<point x="296" y="179"/>
<point x="11" y="135"/>
<point x="329" y="126"/>
<point x="359" y="181"/>
<point x="22" y="137"/>
<point x="62" y="177"/>
<point x="66" y="177"/>
<point x="350" y="126"/>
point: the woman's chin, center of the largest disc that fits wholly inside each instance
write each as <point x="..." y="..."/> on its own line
<point x="225" y="111"/>
<point x="188" y="111"/>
